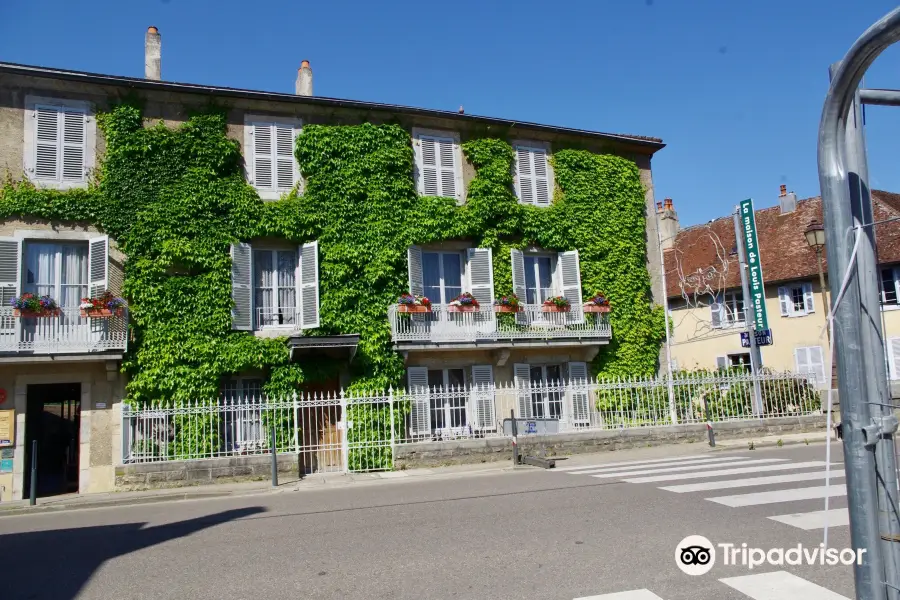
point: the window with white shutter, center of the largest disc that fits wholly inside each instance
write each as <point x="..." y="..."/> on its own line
<point x="420" y="413"/>
<point x="308" y="284"/>
<point x="242" y="286"/>
<point x="810" y="361"/>
<point x="533" y="177"/>
<point x="577" y="391"/>
<point x="59" y="142"/>
<point x="483" y="397"/>
<point x="569" y="281"/>
<point x="438" y="164"/>
<point x="796" y="300"/>
<point x="269" y="155"/>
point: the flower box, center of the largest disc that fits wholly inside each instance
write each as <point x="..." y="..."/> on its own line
<point x="33" y="314"/>
<point x="596" y="308"/>
<point x="465" y="308"/>
<point x="413" y="308"/>
<point x="102" y="313"/>
<point x="499" y="308"/>
<point x="552" y="308"/>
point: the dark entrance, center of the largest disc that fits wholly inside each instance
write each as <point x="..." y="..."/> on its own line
<point x="53" y="418"/>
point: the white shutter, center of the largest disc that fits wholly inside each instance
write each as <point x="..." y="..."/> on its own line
<point x="416" y="278"/>
<point x="817" y="364"/>
<point x="785" y="300"/>
<point x="428" y="173"/>
<point x="436" y="159"/>
<point x="894" y="354"/>
<point x="518" y="282"/>
<point x="285" y="170"/>
<point x="420" y="413"/>
<point x="242" y="286"/>
<point x="98" y="265"/>
<point x="578" y="393"/>
<point x="525" y="175"/>
<point x="481" y="276"/>
<point x="46" y="143"/>
<point x="570" y="284"/>
<point x="447" y="154"/>
<point x="483" y="396"/>
<point x="73" y="147"/>
<point x="541" y="177"/>
<point x="10" y="274"/>
<point x="808" y="301"/>
<point x="309" y="285"/>
<point x="263" y="156"/>
<point x="721" y="362"/>
<point x="801" y="360"/>
<point x="716" y="312"/>
<point x="522" y="376"/>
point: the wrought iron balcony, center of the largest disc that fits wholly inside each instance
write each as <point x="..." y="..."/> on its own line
<point x="64" y="332"/>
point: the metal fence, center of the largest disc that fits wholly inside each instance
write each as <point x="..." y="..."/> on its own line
<point x="358" y="432"/>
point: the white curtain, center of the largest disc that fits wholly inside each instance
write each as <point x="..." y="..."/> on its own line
<point x="73" y="285"/>
<point x="262" y="286"/>
<point x="40" y="269"/>
<point x="57" y="270"/>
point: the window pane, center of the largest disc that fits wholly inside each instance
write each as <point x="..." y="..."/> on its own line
<point x="435" y="378"/>
<point x="531" y="295"/>
<point x="431" y="270"/>
<point x="40" y="269"/>
<point x="537" y="374"/>
<point x="889" y="286"/>
<point x="797" y="298"/>
<point x="74" y="275"/>
<point x="263" y="294"/>
<point x="456" y="377"/>
<point x="545" y="277"/>
<point x="554" y="373"/>
<point x="453" y="272"/>
<point x="287" y="268"/>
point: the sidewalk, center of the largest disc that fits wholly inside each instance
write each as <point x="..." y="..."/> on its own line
<point x="330" y="480"/>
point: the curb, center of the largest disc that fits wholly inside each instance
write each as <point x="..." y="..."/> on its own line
<point x="729" y="445"/>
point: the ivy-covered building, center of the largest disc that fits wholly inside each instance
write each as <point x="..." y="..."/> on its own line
<point x="263" y="241"/>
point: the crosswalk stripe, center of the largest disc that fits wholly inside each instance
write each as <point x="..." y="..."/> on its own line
<point x="689" y="468"/>
<point x="693" y="461"/>
<point x="737" y="471"/>
<point x="774" y="497"/>
<point x="631" y="595"/>
<point x="635" y="462"/>
<point x="749" y="482"/>
<point x="835" y="517"/>
<point x="779" y="585"/>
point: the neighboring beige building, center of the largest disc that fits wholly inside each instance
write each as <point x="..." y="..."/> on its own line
<point x="61" y="375"/>
<point x="706" y="302"/>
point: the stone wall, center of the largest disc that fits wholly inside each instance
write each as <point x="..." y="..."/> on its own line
<point x="433" y="454"/>
<point x="199" y="472"/>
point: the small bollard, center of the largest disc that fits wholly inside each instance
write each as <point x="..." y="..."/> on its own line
<point x="712" y="434"/>
<point x="515" y="433"/>
<point x="32" y="497"/>
<point x="274" y="461"/>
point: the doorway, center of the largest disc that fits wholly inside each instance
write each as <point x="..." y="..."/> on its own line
<point x="53" y="419"/>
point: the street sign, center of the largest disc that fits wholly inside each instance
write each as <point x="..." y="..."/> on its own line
<point x="754" y="266"/>
<point x="763" y="338"/>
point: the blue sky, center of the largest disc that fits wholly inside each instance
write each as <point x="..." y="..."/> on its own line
<point x="734" y="88"/>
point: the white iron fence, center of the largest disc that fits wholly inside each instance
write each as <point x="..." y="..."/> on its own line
<point x="358" y="432"/>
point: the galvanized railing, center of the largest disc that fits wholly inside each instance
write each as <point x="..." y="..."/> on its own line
<point x="343" y="431"/>
<point x="442" y="324"/>
<point x="64" y="332"/>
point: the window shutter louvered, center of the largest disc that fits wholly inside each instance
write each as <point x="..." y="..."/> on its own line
<point x="309" y="285"/>
<point x="570" y="282"/>
<point x="46" y="146"/>
<point x="73" y="145"/>
<point x="808" y="300"/>
<point x="416" y="278"/>
<point x="481" y="275"/>
<point x="525" y="175"/>
<point x="263" y="150"/>
<point x="894" y="352"/>
<point x="436" y="159"/>
<point x="242" y="286"/>
<point x="817" y="364"/>
<point x="785" y="300"/>
<point x="420" y="415"/>
<point x="532" y="176"/>
<point x="10" y="270"/>
<point x="483" y="396"/>
<point x="541" y="178"/>
<point x="518" y="281"/>
<point x="284" y="157"/>
<point x="801" y="360"/>
<point x="429" y="173"/>
<point x="98" y="264"/>
<point x="522" y="377"/>
<point x="578" y="393"/>
<point x="448" y="167"/>
<point x="721" y="362"/>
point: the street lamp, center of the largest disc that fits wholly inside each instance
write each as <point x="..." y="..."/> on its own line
<point x="815" y="237"/>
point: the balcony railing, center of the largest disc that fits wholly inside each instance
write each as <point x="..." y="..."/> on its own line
<point x="442" y="326"/>
<point x="277" y="317"/>
<point x="68" y="332"/>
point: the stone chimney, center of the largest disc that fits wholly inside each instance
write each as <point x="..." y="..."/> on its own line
<point x="787" y="202"/>
<point x="152" y="52"/>
<point x="304" y="80"/>
<point x="668" y="223"/>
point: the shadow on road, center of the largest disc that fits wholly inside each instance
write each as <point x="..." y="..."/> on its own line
<point x="56" y="564"/>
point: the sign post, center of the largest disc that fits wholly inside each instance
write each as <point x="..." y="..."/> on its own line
<point x="754" y="290"/>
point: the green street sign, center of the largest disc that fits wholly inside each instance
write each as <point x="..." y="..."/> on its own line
<point x="754" y="265"/>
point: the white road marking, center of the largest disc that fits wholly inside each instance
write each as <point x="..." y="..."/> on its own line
<point x="738" y="471"/>
<point x="749" y="482"/>
<point x="836" y="517"/>
<point x="636" y="462"/>
<point x="779" y="585"/>
<point x="690" y="468"/>
<point x="693" y="461"/>
<point x="774" y="497"/>
<point x="632" y="595"/>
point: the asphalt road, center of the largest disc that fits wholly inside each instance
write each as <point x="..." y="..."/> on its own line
<point x="524" y="534"/>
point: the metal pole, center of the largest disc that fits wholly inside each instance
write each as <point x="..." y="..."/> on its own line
<point x="855" y="395"/>
<point x="32" y="497"/>
<point x="872" y="336"/>
<point x="673" y="414"/>
<point x="515" y="433"/>
<point x="755" y="357"/>
<point x="274" y="460"/>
